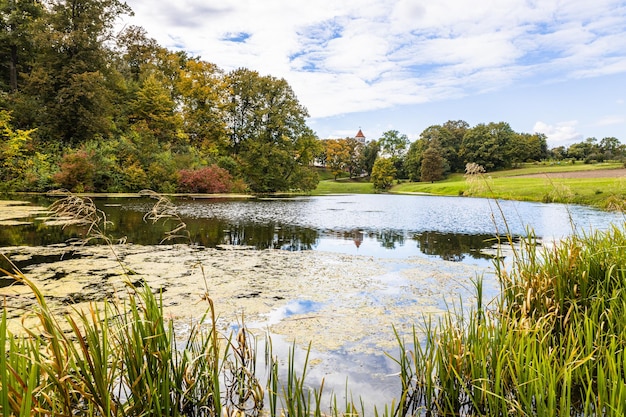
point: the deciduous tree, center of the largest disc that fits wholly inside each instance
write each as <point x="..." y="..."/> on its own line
<point x="383" y="174"/>
<point x="433" y="163"/>
<point x="17" y="32"/>
<point x="488" y="145"/>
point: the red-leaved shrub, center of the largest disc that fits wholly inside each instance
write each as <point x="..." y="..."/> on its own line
<point x="211" y="179"/>
<point x="76" y="172"/>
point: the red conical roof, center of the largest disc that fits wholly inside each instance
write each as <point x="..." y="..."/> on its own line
<point x="359" y="134"/>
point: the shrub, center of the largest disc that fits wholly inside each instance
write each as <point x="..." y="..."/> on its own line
<point x="211" y="179"/>
<point x="135" y="178"/>
<point x="76" y="172"/>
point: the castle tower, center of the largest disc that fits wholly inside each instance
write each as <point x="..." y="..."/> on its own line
<point x="360" y="136"/>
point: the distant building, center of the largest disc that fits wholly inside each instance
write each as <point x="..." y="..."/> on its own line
<point x="360" y="137"/>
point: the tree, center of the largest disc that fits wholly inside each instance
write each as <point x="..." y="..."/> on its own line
<point x="203" y="96"/>
<point x="268" y="134"/>
<point x="488" y="145"/>
<point x="137" y="53"/>
<point x="154" y="106"/>
<point x="15" y="156"/>
<point x="243" y="107"/>
<point x="368" y="156"/>
<point x="451" y="140"/>
<point x="383" y="173"/>
<point x="586" y="150"/>
<point x="355" y="149"/>
<point x="610" y="147"/>
<point x="433" y="164"/>
<point x="17" y="21"/>
<point x="413" y="159"/>
<point x="71" y="77"/>
<point x="526" y="147"/>
<point x="337" y="156"/>
<point x="393" y="144"/>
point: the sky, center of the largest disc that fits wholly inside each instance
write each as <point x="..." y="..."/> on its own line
<point x="556" y="67"/>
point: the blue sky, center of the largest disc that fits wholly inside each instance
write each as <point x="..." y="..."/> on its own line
<point x="552" y="66"/>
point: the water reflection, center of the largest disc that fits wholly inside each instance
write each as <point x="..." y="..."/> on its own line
<point x="455" y="247"/>
<point x="453" y="229"/>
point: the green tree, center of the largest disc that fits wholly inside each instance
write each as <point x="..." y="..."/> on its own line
<point x="369" y="156"/>
<point x="136" y="53"/>
<point x="449" y="137"/>
<point x="16" y="155"/>
<point x="586" y="150"/>
<point x="268" y="134"/>
<point x="355" y="149"/>
<point x="154" y="106"/>
<point x="611" y="148"/>
<point x="526" y="147"/>
<point x="559" y="153"/>
<point x="243" y="108"/>
<point x="433" y="163"/>
<point x="17" y="22"/>
<point x="383" y="174"/>
<point x="71" y="78"/>
<point x="488" y="145"/>
<point x="451" y="140"/>
<point x="393" y="144"/>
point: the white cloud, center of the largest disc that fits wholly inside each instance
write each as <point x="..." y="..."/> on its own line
<point x="560" y="134"/>
<point x="611" y="120"/>
<point x="358" y="55"/>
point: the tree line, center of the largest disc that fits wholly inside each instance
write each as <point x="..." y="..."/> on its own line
<point x="88" y="108"/>
<point x="450" y="147"/>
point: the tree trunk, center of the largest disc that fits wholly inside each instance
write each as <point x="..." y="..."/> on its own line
<point x="13" y="68"/>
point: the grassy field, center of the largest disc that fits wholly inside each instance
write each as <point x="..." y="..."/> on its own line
<point x="510" y="184"/>
<point x="344" y="186"/>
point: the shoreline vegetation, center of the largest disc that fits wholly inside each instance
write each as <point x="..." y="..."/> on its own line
<point x="599" y="185"/>
<point x="552" y="343"/>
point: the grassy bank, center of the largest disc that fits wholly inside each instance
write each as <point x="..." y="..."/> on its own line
<point x="344" y="186"/>
<point x="512" y="184"/>
<point x="551" y="344"/>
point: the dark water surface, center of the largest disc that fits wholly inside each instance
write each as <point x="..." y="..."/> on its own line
<point x="449" y="228"/>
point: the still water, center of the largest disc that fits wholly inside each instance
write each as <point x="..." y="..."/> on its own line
<point x="397" y="226"/>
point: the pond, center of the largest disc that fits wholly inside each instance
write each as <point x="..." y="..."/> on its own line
<point x="398" y="226"/>
<point x="341" y="271"/>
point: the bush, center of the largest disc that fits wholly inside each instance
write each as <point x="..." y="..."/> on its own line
<point x="211" y="179"/>
<point x="76" y="172"/>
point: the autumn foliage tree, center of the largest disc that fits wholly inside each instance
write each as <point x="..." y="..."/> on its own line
<point x="383" y="174"/>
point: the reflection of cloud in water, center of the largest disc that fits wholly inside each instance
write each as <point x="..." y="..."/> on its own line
<point x="292" y="308"/>
<point x="374" y="377"/>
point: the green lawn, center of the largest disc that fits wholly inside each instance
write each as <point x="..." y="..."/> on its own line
<point x="344" y="186"/>
<point x="507" y="184"/>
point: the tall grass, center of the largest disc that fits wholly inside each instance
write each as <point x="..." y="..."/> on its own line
<point x="553" y="343"/>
